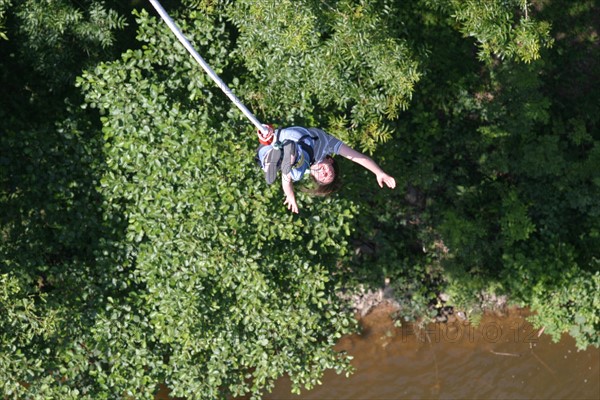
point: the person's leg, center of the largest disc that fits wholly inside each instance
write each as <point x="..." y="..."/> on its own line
<point x="269" y="159"/>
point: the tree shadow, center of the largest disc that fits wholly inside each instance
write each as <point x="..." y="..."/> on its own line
<point x="57" y="239"/>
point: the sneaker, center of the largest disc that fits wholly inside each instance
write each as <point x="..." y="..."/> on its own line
<point x="270" y="161"/>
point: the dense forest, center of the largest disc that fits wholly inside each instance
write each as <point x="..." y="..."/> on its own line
<point x="140" y="244"/>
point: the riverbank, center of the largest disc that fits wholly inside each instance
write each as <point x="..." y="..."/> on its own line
<point x="363" y="301"/>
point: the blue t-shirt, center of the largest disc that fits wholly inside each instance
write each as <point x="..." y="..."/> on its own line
<point x="301" y="165"/>
<point x="322" y="143"/>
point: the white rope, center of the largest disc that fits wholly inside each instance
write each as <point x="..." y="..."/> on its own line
<point x="163" y="14"/>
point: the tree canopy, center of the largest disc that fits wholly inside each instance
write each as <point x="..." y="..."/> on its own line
<point x="140" y="244"/>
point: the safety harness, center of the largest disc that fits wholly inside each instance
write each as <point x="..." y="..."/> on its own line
<point x="300" y="142"/>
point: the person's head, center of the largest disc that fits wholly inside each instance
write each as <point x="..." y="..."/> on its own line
<point x="326" y="175"/>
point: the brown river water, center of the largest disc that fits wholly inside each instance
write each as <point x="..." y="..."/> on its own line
<point x="501" y="358"/>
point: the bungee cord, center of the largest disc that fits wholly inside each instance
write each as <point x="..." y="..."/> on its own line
<point x="275" y="155"/>
<point x="165" y="16"/>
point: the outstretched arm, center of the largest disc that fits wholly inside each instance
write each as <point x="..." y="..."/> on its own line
<point x="288" y="189"/>
<point x="369" y="164"/>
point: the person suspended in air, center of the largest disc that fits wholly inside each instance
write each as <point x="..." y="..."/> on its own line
<point x="297" y="151"/>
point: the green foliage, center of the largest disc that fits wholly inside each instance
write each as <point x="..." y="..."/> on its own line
<point x="511" y="198"/>
<point x="56" y="35"/>
<point x="228" y="304"/>
<point x="4" y="4"/>
<point x="515" y="222"/>
<point x="502" y="28"/>
<point x="334" y="65"/>
<point x="20" y="324"/>
<point x="140" y="245"/>
<point x="571" y="308"/>
<point x="563" y="295"/>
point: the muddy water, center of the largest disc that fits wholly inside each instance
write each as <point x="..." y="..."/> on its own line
<point x="502" y="358"/>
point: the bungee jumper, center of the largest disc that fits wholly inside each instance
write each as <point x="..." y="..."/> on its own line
<point x="296" y="150"/>
<point x="292" y="150"/>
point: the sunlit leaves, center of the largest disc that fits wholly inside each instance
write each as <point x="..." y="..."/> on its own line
<point x="141" y="245"/>
<point x="4" y="4"/>
<point x="503" y="29"/>
<point x="59" y="33"/>
<point x="333" y="56"/>
<point x="572" y="308"/>
<point x="232" y="297"/>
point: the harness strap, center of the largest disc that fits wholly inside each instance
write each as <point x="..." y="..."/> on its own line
<point x="307" y="148"/>
<point x="277" y="144"/>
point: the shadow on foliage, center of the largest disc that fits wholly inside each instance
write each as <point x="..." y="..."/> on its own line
<point x="55" y="234"/>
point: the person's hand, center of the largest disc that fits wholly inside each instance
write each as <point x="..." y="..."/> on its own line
<point x="265" y="137"/>
<point x="290" y="202"/>
<point x="388" y="180"/>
